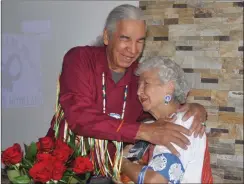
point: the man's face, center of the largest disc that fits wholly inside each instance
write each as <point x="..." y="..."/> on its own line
<point x="126" y="44"/>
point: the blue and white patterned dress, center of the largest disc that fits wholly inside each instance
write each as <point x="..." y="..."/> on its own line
<point x="184" y="169"/>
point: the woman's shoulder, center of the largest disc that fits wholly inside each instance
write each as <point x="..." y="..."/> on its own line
<point x="179" y="121"/>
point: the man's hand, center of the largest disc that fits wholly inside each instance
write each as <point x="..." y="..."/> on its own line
<point x="164" y="133"/>
<point x="200" y="116"/>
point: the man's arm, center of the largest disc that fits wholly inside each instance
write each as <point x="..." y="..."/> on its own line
<point x="81" y="112"/>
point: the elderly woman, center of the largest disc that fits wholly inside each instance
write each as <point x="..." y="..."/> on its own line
<point x="162" y="89"/>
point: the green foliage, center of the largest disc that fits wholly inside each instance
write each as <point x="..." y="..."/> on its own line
<point x="31" y="152"/>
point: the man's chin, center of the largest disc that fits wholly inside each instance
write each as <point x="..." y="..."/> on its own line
<point x="146" y="109"/>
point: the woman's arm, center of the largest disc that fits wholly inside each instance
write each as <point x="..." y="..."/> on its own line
<point x="132" y="171"/>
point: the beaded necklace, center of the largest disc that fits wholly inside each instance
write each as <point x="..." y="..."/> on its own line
<point x="104" y="98"/>
<point x="105" y="163"/>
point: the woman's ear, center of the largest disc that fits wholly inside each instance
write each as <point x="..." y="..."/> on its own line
<point x="105" y="37"/>
<point x="170" y="87"/>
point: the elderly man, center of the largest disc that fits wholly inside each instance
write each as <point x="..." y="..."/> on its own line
<point x="98" y="88"/>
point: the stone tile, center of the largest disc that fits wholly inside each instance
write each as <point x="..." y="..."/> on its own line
<point x="232" y="64"/>
<point x="218" y="175"/>
<point x="193" y="79"/>
<point x="179" y="5"/>
<point x="239" y="142"/>
<point x="229" y="49"/>
<point x="187" y="12"/>
<point x="232" y="181"/>
<point x="230" y="83"/>
<point x="183" y="30"/>
<point x="154" y="22"/>
<point x="238" y="149"/>
<point x="234" y="20"/>
<point x="234" y="174"/>
<point x="167" y="49"/>
<point x="227" y="109"/>
<point x="219" y="98"/>
<point x="200" y="92"/>
<point x="222" y="148"/>
<point x="208" y="74"/>
<point x="202" y="98"/>
<point x="230" y="161"/>
<point x="239" y="130"/>
<point x="143" y="7"/>
<point x="231" y="117"/>
<point x="208" y="86"/>
<point x="213" y="29"/>
<point x="219" y="5"/>
<point x="235" y="99"/>
<point x="238" y="4"/>
<point x="188" y="70"/>
<point x="184" y="48"/>
<point x="160" y="38"/>
<point x="236" y="35"/>
<point x="192" y="99"/>
<point x="208" y="20"/>
<point x="240" y="48"/>
<point x="185" y="20"/>
<point x="232" y="10"/>
<point x="202" y="13"/>
<point x="149" y="53"/>
<point x="219" y="130"/>
<point x="208" y="47"/>
<point x="190" y="53"/>
<point x="222" y="38"/>
<point x="209" y="80"/>
<point x="237" y="27"/>
<point x="170" y="21"/>
<point x="222" y="131"/>
<point x="157" y="31"/>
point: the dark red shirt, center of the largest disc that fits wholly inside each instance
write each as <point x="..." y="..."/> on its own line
<point x="82" y="101"/>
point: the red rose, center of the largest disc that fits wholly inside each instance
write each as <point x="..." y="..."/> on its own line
<point x="12" y="155"/>
<point x="45" y="144"/>
<point x="40" y="157"/>
<point x="59" y="144"/>
<point x="41" y="171"/>
<point x="61" y="155"/>
<point x="58" y="170"/>
<point x="82" y="165"/>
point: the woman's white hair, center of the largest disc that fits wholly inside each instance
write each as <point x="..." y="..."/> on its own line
<point x="122" y="12"/>
<point x="168" y="70"/>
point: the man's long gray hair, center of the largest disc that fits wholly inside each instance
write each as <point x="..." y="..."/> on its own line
<point x="125" y="11"/>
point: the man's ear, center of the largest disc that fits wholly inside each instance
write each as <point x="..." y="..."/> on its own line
<point x="105" y="37"/>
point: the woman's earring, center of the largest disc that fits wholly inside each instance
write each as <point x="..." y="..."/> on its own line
<point x="167" y="99"/>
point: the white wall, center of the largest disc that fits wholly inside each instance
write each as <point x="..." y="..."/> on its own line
<point x="39" y="34"/>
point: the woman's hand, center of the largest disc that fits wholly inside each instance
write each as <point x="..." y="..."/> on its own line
<point x="200" y="116"/>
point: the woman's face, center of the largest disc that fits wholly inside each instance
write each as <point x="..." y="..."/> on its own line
<point x="151" y="91"/>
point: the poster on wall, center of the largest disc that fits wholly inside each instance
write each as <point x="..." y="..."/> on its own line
<point x="21" y="71"/>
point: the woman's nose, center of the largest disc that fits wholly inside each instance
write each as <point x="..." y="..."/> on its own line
<point x="140" y="89"/>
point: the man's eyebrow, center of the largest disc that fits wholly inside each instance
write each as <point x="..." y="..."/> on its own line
<point x="124" y="36"/>
<point x="142" y="38"/>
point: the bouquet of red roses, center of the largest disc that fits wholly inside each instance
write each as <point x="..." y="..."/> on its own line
<point x="46" y="161"/>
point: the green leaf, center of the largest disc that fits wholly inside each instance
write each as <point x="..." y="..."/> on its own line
<point x="26" y="148"/>
<point x="21" y="180"/>
<point x="76" y="179"/>
<point x="26" y="163"/>
<point x="31" y="151"/>
<point x="71" y="142"/>
<point x="12" y="174"/>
